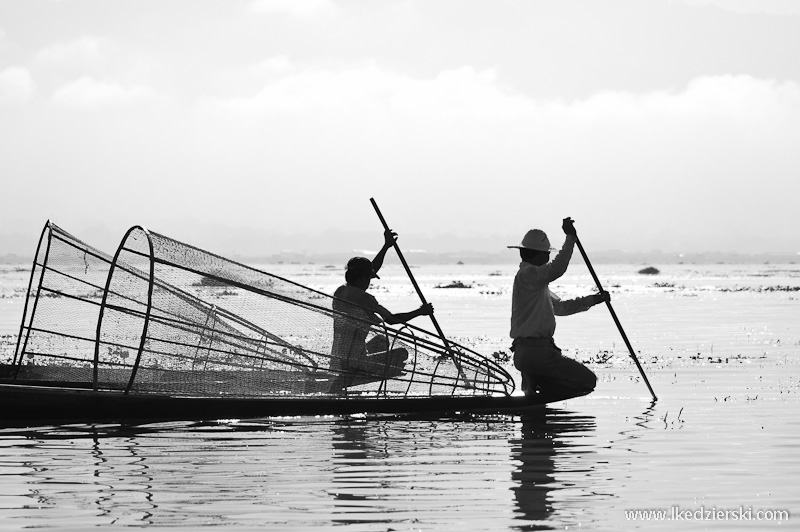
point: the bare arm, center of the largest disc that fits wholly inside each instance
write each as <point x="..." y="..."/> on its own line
<point x="389" y="237"/>
<point x="404" y="317"/>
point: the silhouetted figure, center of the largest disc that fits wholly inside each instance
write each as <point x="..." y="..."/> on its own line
<point x="356" y="311"/>
<point x="545" y="370"/>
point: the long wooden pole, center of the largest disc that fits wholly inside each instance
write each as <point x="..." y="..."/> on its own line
<point x="419" y="292"/>
<point x="614" y="316"/>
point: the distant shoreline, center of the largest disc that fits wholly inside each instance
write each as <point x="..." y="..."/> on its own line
<point x="472" y="257"/>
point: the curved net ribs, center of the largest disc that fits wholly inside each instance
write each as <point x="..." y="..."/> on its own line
<point x="163" y="317"/>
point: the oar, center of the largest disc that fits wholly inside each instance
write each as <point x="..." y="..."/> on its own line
<point x="614" y="315"/>
<point x="419" y="293"/>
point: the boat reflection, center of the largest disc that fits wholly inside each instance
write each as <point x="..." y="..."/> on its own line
<point x="90" y="471"/>
<point x="132" y="504"/>
<point x="496" y="472"/>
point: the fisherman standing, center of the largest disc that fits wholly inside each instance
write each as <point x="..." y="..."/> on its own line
<point x="545" y="370"/>
<point x="355" y="314"/>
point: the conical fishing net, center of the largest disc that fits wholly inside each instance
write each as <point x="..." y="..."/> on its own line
<point x="163" y="317"/>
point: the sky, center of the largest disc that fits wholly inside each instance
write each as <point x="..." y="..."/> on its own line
<point x="256" y="126"/>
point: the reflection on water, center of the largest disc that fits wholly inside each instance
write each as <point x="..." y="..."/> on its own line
<point x="458" y="471"/>
<point x="582" y="467"/>
<point x="557" y="470"/>
<point x="353" y="478"/>
<point x="123" y="461"/>
<point x="534" y="477"/>
<point x="467" y="472"/>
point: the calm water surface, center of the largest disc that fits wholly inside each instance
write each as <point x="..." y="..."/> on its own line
<point x="719" y="344"/>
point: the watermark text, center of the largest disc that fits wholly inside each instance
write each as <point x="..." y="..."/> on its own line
<point x="677" y="513"/>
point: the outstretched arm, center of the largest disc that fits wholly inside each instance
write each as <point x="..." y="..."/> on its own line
<point x="389" y="237"/>
<point x="403" y="317"/>
<point x="579" y="304"/>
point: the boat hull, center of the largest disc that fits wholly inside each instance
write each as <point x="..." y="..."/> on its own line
<point x="42" y="404"/>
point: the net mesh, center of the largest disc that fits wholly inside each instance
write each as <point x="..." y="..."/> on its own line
<point x="164" y="317"/>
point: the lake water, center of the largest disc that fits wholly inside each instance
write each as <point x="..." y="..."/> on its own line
<point x="717" y="451"/>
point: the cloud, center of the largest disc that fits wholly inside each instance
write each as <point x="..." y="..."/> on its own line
<point x="87" y="92"/>
<point x="740" y="98"/>
<point x="16" y="85"/>
<point x="468" y="94"/>
<point x="295" y="8"/>
<point x="372" y="90"/>
<point x="86" y="49"/>
<point x="682" y="158"/>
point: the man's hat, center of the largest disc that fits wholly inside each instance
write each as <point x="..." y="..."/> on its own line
<point x="536" y="240"/>
<point x="361" y="265"/>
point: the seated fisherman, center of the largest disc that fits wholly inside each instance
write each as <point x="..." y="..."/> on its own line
<point x="356" y="311"/>
<point x="544" y="368"/>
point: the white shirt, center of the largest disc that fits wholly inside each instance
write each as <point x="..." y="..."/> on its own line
<point x="533" y="305"/>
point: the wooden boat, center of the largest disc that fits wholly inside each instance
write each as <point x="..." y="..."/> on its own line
<point x="165" y="331"/>
<point x="35" y="405"/>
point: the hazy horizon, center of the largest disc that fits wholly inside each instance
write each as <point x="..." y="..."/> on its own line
<point x="254" y="126"/>
<point x="335" y="247"/>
